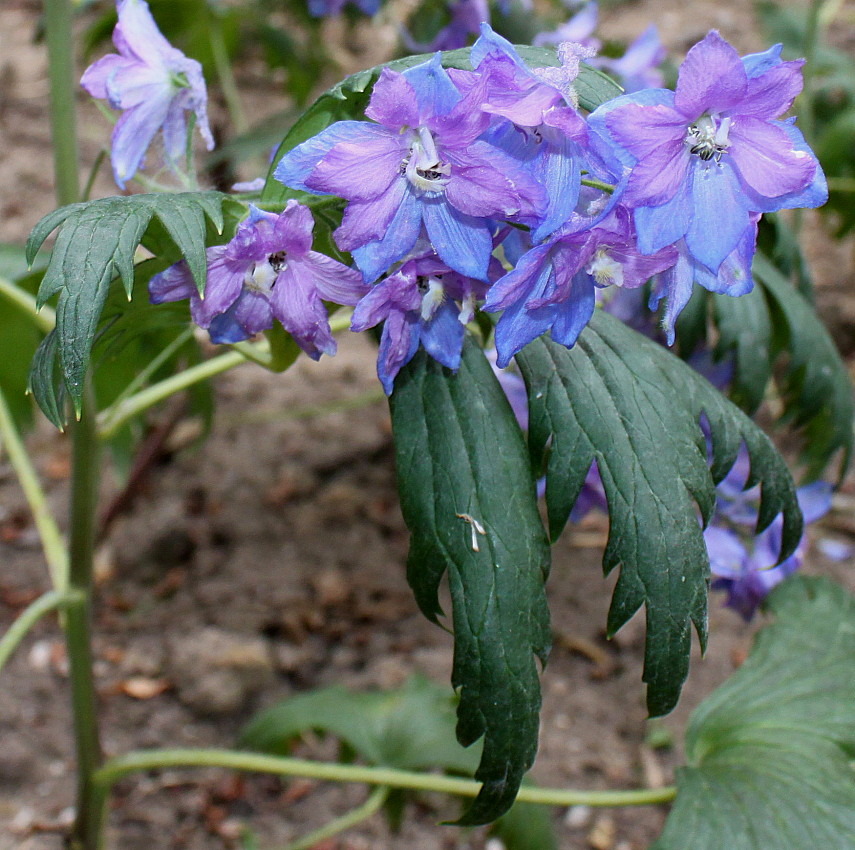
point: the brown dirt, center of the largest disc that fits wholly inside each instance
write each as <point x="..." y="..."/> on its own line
<point x="279" y="545"/>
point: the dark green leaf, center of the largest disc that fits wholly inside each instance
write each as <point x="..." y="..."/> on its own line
<point x="46" y="388"/>
<point x="347" y="101"/>
<point x="814" y="383"/>
<point x="745" y="333"/>
<point x="468" y="497"/>
<point x="621" y="400"/>
<point x="410" y="729"/>
<point x="98" y="239"/>
<point x="770" y="751"/>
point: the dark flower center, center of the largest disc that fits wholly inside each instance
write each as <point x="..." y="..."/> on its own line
<point x="707" y="138"/>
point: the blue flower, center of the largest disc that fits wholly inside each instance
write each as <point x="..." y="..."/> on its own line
<point x="742" y="564"/>
<point x="702" y="158"/>
<point x="268" y="271"/>
<point x="419" y="162"/>
<point x="154" y="84"/>
<point x="425" y="302"/>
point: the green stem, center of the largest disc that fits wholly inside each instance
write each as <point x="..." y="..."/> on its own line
<point x="52" y="542"/>
<point x="93" y="173"/>
<point x="143" y="375"/>
<point x="111" y="419"/>
<point x="27" y="619"/>
<point x="373" y="804"/>
<point x="117" y="768"/>
<point x="224" y="72"/>
<point x="598" y="184"/>
<point x="841" y="184"/>
<point x="78" y="614"/>
<point x="63" y="90"/>
<point x="44" y="319"/>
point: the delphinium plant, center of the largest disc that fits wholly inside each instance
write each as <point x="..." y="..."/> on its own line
<point x="469" y="205"/>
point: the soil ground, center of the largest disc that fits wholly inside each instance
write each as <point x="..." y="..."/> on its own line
<point x="271" y="561"/>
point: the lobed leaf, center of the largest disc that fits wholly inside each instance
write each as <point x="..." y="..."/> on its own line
<point x="626" y="403"/>
<point x="814" y="382"/>
<point x="770" y="751"/>
<point x="468" y="498"/>
<point x="96" y="241"/>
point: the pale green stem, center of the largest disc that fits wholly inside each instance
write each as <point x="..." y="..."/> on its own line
<point x="44" y="319"/>
<point x="116" y="415"/>
<point x="598" y="184"/>
<point x="116" y="768"/>
<point x="143" y="375"/>
<point x="27" y="619"/>
<point x="51" y="539"/>
<point x="841" y="184"/>
<point x="373" y="804"/>
<point x="93" y="173"/>
<point x="224" y="72"/>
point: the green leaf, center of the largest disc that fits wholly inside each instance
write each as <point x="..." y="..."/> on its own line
<point x="347" y="101"/>
<point x="468" y="497"/>
<point x="814" y="382"/>
<point x="98" y="239"/>
<point x="770" y="751"/>
<point x="526" y="826"/>
<point x="621" y="400"/>
<point x="745" y="332"/>
<point x="411" y="728"/>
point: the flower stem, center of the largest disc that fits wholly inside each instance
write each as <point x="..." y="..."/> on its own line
<point x="27" y="619"/>
<point x="116" y="768"/>
<point x="224" y="72"/>
<point x="44" y="319"/>
<point x="598" y="184"/>
<point x="86" y="831"/>
<point x="373" y="804"/>
<point x="52" y="542"/>
<point x="111" y="419"/>
<point x="60" y="45"/>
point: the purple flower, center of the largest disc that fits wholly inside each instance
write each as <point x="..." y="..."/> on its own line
<point x="637" y="69"/>
<point x="268" y="271"/>
<point x="744" y="564"/>
<point x="466" y="19"/>
<point x="732" y="278"/>
<point x="702" y="158"/>
<point x="539" y="129"/>
<point x="425" y="302"/>
<point x="330" y="8"/>
<point x="419" y="162"/>
<point x="553" y="286"/>
<point x="579" y="28"/>
<point x="154" y="84"/>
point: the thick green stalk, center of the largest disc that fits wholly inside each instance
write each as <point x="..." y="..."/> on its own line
<point x="78" y="614"/>
<point x="84" y="476"/>
<point x="116" y="768"/>
<point x="63" y="89"/>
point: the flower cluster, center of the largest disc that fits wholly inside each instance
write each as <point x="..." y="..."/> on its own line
<point x="455" y="168"/>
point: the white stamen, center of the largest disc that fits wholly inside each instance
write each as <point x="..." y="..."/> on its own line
<point x="467" y="309"/>
<point x="261" y="277"/>
<point x="605" y="269"/>
<point x="432" y="299"/>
